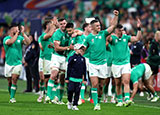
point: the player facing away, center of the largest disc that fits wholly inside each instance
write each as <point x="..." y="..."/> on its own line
<point x="96" y="41"/>
<point x="144" y="72"/>
<point x="121" y="61"/>
<point x="76" y="71"/>
<point x="13" y="59"/>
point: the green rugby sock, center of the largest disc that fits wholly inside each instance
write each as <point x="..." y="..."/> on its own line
<point x="105" y="89"/>
<point x="155" y="94"/>
<point x="127" y="96"/>
<point x="49" y="87"/>
<point x="82" y="91"/>
<point x="13" y="91"/>
<point x="119" y="98"/>
<point x="99" y="99"/>
<point x="94" y="95"/>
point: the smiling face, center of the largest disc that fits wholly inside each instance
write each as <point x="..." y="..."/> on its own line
<point x="96" y="27"/>
<point x="119" y="31"/>
<point x="62" y="25"/>
<point x="69" y="31"/>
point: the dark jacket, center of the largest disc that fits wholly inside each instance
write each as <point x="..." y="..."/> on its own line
<point x="136" y="56"/>
<point x="76" y="67"/>
<point x="32" y="53"/>
<point x="154" y="54"/>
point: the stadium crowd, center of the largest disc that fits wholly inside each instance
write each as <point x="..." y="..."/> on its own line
<point x="138" y="18"/>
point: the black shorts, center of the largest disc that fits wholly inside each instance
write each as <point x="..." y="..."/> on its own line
<point x="154" y="69"/>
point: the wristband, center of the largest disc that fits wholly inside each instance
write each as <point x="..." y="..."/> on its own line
<point x="139" y="28"/>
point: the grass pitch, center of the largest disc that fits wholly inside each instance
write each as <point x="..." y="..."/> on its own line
<point x="26" y="105"/>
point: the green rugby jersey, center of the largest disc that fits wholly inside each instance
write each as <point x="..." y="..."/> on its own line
<point x="13" y="53"/>
<point x="63" y="39"/>
<point x="47" y="53"/>
<point x="73" y="41"/>
<point x="120" y="49"/>
<point x="86" y="54"/>
<point x="109" y="55"/>
<point x="137" y="72"/>
<point x="97" y="47"/>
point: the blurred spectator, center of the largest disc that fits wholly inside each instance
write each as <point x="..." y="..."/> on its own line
<point x="154" y="53"/>
<point x="135" y="52"/>
<point x="145" y="49"/>
<point x="31" y="65"/>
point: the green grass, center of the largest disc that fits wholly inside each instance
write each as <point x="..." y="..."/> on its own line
<point x="26" y="105"/>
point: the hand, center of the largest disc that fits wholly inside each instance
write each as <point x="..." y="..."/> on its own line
<point x="50" y="45"/>
<point x="25" y="64"/>
<point x="74" y="35"/>
<point x="67" y="81"/>
<point x="22" y="29"/>
<point x="55" y="21"/>
<point x="116" y="12"/>
<point x="17" y="31"/>
<point x="138" y="23"/>
<point x="71" y="47"/>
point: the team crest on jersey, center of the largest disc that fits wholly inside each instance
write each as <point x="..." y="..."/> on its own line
<point x="18" y="41"/>
<point x="124" y="40"/>
<point x="100" y="37"/>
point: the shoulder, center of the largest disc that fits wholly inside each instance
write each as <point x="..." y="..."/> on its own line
<point x="6" y="38"/>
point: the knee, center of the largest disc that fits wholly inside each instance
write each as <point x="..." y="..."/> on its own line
<point x="14" y="80"/>
<point x="126" y="82"/>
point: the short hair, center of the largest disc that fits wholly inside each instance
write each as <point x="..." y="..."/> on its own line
<point x="13" y="25"/>
<point x="85" y="25"/>
<point x="70" y="25"/>
<point x="48" y="18"/>
<point x="45" y="24"/>
<point x="93" y="21"/>
<point x="61" y="19"/>
<point x="119" y="26"/>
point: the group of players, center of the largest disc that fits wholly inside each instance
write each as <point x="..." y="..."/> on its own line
<point x="106" y="51"/>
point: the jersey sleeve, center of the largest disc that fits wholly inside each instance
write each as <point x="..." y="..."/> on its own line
<point x="80" y="39"/>
<point x="57" y="36"/>
<point x="128" y="37"/>
<point x="85" y="41"/>
<point x="106" y="33"/>
<point x="39" y="39"/>
<point x="5" y="39"/>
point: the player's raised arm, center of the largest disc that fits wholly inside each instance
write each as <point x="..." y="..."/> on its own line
<point x="27" y="41"/>
<point x="14" y="32"/>
<point x="139" y="33"/>
<point x="114" y="21"/>
<point x="52" y="28"/>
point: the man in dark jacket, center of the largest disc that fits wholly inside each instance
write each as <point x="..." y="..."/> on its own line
<point x="31" y="65"/>
<point x="154" y="54"/>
